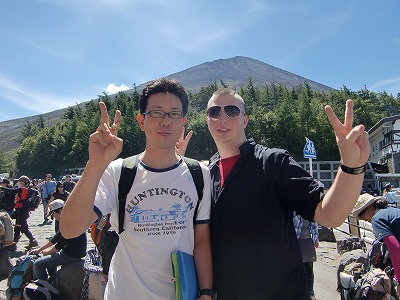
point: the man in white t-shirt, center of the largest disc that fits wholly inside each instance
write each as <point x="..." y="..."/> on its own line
<point x="160" y="207"/>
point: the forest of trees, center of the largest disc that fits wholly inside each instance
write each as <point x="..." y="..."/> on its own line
<point x="279" y="117"/>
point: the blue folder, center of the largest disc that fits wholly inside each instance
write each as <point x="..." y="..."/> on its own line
<point x="185" y="275"/>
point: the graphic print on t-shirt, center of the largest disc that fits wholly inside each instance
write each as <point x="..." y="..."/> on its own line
<point x="162" y="210"/>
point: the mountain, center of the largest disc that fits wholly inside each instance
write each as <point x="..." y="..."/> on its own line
<point x="234" y="72"/>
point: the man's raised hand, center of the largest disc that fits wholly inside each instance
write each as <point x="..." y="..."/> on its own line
<point x="182" y="143"/>
<point x="353" y="143"/>
<point x="104" y="144"/>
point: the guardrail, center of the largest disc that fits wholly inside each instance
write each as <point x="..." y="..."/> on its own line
<point x="354" y="230"/>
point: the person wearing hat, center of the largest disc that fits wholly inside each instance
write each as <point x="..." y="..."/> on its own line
<point x="389" y="194"/>
<point x="58" y="250"/>
<point x="21" y="214"/>
<point x="385" y="221"/>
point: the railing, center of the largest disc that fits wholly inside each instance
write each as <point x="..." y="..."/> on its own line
<point x="355" y="230"/>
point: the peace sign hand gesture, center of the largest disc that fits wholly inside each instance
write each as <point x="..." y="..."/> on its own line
<point x="104" y="144"/>
<point x="182" y="143"/>
<point x="353" y="143"/>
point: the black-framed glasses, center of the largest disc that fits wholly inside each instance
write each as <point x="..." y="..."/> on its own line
<point x="231" y="111"/>
<point x="158" y="114"/>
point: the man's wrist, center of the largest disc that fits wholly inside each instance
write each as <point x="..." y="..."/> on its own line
<point x="208" y="292"/>
<point x="353" y="171"/>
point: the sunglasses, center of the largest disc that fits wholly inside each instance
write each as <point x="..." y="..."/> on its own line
<point x="231" y="111"/>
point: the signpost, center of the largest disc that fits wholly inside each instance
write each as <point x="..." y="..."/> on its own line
<point x="310" y="152"/>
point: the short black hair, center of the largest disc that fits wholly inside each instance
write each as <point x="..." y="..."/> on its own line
<point x="164" y="85"/>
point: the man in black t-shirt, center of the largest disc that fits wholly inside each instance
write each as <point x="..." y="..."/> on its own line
<point x="69" y="184"/>
<point x="58" y="250"/>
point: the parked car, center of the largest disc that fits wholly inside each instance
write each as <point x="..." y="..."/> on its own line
<point x="74" y="177"/>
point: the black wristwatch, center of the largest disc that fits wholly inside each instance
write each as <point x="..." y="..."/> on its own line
<point x="208" y="292"/>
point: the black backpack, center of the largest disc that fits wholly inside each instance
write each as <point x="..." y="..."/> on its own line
<point x="33" y="200"/>
<point x="379" y="256"/>
<point x="7" y="198"/>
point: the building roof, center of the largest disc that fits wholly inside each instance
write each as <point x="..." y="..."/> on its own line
<point x="384" y="120"/>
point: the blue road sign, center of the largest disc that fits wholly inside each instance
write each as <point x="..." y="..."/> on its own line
<point x="309" y="150"/>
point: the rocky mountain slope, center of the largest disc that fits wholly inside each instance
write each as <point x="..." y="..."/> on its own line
<point x="234" y="72"/>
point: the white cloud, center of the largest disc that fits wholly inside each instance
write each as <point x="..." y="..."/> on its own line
<point x="390" y="86"/>
<point x="113" y="89"/>
<point x="34" y="100"/>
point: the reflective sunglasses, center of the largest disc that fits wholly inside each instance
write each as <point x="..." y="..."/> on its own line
<point x="231" y="111"/>
<point x="158" y="114"/>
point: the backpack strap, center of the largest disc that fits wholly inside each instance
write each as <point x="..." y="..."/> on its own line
<point x="197" y="175"/>
<point x="128" y="173"/>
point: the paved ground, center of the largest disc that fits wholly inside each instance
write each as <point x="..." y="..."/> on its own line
<point x="324" y="268"/>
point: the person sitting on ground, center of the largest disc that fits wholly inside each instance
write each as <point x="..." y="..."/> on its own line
<point x="58" y="250"/>
<point x="6" y="231"/>
<point x="385" y="221"/>
<point x="59" y="193"/>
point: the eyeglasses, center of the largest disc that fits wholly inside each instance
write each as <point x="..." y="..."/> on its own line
<point x="61" y="186"/>
<point x="158" y="114"/>
<point x="231" y="111"/>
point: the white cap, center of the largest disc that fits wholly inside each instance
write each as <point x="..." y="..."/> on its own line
<point x="56" y="204"/>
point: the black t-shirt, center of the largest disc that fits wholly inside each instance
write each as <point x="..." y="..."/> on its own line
<point x="58" y="195"/>
<point x="75" y="248"/>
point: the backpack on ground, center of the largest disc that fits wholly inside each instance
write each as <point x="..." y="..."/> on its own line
<point x="40" y="290"/>
<point x="93" y="282"/>
<point x="19" y="277"/>
<point x="375" y="284"/>
<point x="379" y="256"/>
<point x="33" y="200"/>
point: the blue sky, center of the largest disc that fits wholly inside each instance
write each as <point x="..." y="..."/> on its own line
<point x="55" y="53"/>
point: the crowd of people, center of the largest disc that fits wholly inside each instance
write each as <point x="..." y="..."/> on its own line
<point x="254" y="224"/>
<point x="13" y="206"/>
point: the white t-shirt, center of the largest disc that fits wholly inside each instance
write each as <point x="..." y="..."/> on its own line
<point x="158" y="220"/>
